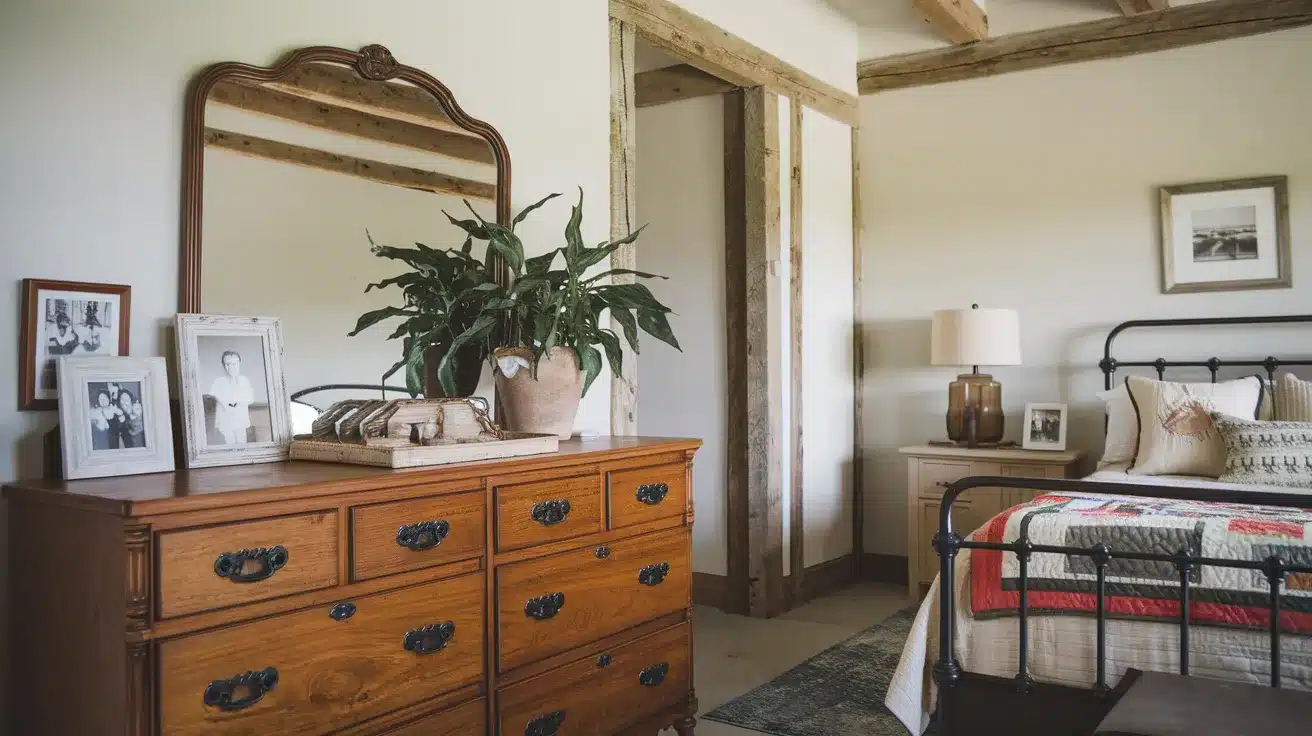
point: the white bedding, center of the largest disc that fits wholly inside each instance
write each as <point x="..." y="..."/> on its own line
<point x="1062" y="648"/>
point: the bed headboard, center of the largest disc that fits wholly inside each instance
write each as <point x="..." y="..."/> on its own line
<point x="1270" y="363"/>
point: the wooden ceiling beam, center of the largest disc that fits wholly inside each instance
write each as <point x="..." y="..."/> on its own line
<point x="375" y="171"/>
<point x="1103" y="39"/>
<point x="1135" y="7"/>
<point x="673" y="83"/>
<point x="959" y="21"/>
<point x="347" y="121"/>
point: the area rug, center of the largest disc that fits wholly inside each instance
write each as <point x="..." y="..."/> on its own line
<point x="838" y="692"/>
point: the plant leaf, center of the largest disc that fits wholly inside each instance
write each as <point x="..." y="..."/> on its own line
<point x="527" y="210"/>
<point x="622" y="271"/>
<point x="614" y="353"/>
<point x="573" y="234"/>
<point x="539" y="265"/>
<point x="655" y="324"/>
<point x="629" y="324"/>
<point x="630" y="296"/>
<point x="369" y="319"/>
<point x="590" y="360"/>
<point x="592" y="256"/>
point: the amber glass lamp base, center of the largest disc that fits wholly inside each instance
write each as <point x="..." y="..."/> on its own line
<point x="975" y="409"/>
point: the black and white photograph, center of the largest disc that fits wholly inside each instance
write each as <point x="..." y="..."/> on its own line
<point x="234" y="399"/>
<point x="115" y="416"/>
<point x="68" y="318"/>
<point x="1225" y="236"/>
<point x="1045" y="427"/>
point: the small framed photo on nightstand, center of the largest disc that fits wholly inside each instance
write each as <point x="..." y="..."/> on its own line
<point x="1045" y="427"/>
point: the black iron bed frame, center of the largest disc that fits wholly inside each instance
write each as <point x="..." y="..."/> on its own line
<point x="971" y="703"/>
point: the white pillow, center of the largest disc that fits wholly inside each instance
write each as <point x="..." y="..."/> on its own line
<point x="1122" y="427"/>
<point x="1293" y="401"/>
<point x="1176" y="432"/>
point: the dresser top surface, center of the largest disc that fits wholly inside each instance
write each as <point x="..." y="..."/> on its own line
<point x="1006" y="454"/>
<point x="189" y="490"/>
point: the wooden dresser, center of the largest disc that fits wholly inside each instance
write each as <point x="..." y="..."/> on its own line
<point x="536" y="596"/>
<point x="930" y="469"/>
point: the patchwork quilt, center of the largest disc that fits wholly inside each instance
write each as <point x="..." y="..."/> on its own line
<point x="1066" y="584"/>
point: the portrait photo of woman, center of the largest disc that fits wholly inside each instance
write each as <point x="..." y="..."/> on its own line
<point x="233" y="395"/>
<point x="233" y="381"/>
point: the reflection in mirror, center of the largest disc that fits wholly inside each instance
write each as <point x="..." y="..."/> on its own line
<point x="299" y="174"/>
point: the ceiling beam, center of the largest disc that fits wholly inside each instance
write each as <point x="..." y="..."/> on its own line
<point x="1103" y="39"/>
<point x="375" y="171"/>
<point x="959" y="21"/>
<point x="338" y="85"/>
<point x="1135" y="7"/>
<point x="673" y="83"/>
<point x="347" y="121"/>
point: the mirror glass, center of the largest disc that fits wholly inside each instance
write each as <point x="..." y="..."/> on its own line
<point x="299" y="176"/>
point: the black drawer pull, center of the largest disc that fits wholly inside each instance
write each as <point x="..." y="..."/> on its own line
<point x="241" y="691"/>
<point x="654" y="574"/>
<point x="604" y="660"/>
<point x="654" y="675"/>
<point x="652" y="493"/>
<point x="548" y="725"/>
<point x="232" y="565"/>
<point x="430" y="638"/>
<point x="550" y="513"/>
<point x="603" y="552"/>
<point x="342" y="611"/>
<point x="422" y="536"/>
<point x="544" y="606"/>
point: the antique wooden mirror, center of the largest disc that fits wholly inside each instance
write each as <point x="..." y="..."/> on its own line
<point x="290" y="171"/>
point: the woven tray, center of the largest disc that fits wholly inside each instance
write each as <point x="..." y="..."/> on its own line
<point x="515" y="445"/>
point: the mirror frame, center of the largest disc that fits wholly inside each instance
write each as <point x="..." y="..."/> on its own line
<point x="374" y="63"/>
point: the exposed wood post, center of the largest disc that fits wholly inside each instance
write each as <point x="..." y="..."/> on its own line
<point x="1134" y="7"/>
<point x="858" y="367"/>
<point x="765" y="445"/>
<point x="673" y="83"/>
<point x="959" y="21"/>
<point x="796" y="525"/>
<point x="623" y="156"/>
<point x="1101" y="39"/>
<point x="737" y="483"/>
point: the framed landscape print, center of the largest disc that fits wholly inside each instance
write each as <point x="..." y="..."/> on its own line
<point x="235" y="409"/>
<point x="114" y="416"/>
<point x="1226" y="236"/>
<point x="67" y="318"/>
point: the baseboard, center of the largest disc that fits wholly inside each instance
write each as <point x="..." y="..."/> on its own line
<point x="709" y="589"/>
<point x="884" y="568"/>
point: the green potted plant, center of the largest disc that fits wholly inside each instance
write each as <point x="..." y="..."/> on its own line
<point x="439" y="304"/>
<point x="546" y="323"/>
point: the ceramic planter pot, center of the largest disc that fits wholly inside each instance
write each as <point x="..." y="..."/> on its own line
<point x="546" y="404"/>
<point x="468" y="368"/>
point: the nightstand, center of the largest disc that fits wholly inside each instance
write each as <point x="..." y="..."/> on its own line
<point x="931" y="469"/>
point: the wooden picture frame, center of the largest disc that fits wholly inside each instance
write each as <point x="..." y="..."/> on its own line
<point x="37" y="371"/>
<point x="228" y="418"/>
<point x="1037" y="432"/>
<point x="114" y="416"/>
<point x="1226" y="236"/>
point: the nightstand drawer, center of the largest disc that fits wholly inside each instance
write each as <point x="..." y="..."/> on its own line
<point x="935" y="475"/>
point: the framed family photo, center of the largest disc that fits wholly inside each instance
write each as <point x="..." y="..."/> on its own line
<point x="235" y="409"/>
<point x="114" y="416"/>
<point x="67" y="318"/>
<point x="1226" y="236"/>
<point x="1045" y="427"/>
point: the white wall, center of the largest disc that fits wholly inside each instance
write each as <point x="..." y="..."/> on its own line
<point x="680" y="193"/>
<point x="1037" y="191"/>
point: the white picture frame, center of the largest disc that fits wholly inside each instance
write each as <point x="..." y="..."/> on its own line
<point x="1226" y="236"/>
<point x="114" y="416"/>
<point x="235" y="409"/>
<point x="1044" y="427"/>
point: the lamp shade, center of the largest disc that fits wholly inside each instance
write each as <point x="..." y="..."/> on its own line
<point x="975" y="337"/>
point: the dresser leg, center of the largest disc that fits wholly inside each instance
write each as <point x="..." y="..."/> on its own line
<point x="685" y="726"/>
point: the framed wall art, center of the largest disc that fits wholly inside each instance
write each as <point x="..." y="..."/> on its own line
<point x="1226" y="236"/>
<point x="114" y="416"/>
<point x="235" y="409"/>
<point x="1045" y="427"/>
<point x="67" y="318"/>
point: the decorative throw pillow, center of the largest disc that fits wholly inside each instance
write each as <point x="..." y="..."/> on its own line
<point x="1293" y="399"/>
<point x="1266" y="411"/>
<point x="1266" y="453"/>
<point x="1176" y="432"/>
<point x="1122" y="427"/>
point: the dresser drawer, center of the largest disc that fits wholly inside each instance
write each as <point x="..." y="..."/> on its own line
<point x="556" y="603"/>
<point x="229" y="564"/>
<point x="547" y="511"/>
<point x="599" y="696"/>
<point x="326" y="673"/>
<point x="639" y="495"/>
<point x="934" y="476"/>
<point x="388" y="538"/>
<point x="469" y="719"/>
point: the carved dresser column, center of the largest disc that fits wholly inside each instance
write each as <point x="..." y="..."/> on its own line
<point x="137" y="583"/>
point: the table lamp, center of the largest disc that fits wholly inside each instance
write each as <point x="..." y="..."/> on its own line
<point x="974" y="337"/>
